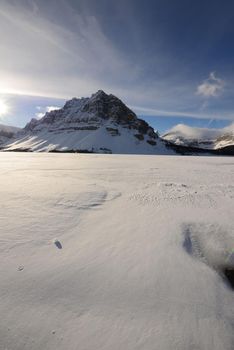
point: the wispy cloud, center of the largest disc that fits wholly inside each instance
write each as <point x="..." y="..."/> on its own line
<point x="144" y="111"/>
<point x="58" y="49"/>
<point x="211" y="87"/>
<point x="71" y="48"/>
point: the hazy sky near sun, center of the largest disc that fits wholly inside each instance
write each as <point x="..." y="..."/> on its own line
<point x="164" y="58"/>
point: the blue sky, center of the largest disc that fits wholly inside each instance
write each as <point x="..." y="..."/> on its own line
<point x="170" y="61"/>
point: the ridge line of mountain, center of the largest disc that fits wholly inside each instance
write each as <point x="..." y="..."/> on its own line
<point x="102" y="123"/>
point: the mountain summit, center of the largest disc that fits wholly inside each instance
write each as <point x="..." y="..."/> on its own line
<point x="100" y="124"/>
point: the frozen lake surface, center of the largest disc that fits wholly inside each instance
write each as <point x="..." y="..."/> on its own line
<point x="101" y="252"/>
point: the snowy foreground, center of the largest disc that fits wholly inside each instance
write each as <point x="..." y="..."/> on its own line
<point x="115" y="252"/>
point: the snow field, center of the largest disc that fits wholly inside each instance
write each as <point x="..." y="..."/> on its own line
<point x="115" y="252"/>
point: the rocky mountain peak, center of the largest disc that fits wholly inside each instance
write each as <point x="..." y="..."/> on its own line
<point x="99" y="106"/>
<point x="99" y="94"/>
<point x="103" y="114"/>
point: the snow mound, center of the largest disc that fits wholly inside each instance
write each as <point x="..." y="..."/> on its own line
<point x="212" y="245"/>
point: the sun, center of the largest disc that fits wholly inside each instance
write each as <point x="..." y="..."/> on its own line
<point x="3" y="107"/>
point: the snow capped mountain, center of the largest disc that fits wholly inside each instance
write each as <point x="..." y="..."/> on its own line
<point x="202" y="138"/>
<point x="101" y="123"/>
<point x="7" y="132"/>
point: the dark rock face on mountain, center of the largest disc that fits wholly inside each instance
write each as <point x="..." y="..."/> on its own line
<point x="106" y="106"/>
<point x="96" y="124"/>
<point x="192" y="150"/>
<point x="93" y="111"/>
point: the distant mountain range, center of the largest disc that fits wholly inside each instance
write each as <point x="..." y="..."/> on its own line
<point x="7" y="133"/>
<point x="104" y="124"/>
<point x="190" y="139"/>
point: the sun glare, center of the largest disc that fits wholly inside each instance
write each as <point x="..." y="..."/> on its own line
<point x="3" y="107"/>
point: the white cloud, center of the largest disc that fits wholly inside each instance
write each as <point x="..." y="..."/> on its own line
<point x="229" y="129"/>
<point x="52" y="108"/>
<point x="211" y="87"/>
<point x="43" y="110"/>
<point x="153" y="112"/>
<point x="39" y="115"/>
<point x="161" y="113"/>
<point x="193" y="133"/>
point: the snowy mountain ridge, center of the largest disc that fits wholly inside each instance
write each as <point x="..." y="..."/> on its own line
<point x="204" y="138"/>
<point x="104" y="124"/>
<point x="100" y="124"/>
<point x="7" y="132"/>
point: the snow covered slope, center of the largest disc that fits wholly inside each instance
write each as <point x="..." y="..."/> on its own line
<point x="103" y="252"/>
<point x="100" y="124"/>
<point x="205" y="138"/>
<point x="7" y="132"/>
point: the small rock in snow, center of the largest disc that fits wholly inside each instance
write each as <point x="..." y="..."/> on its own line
<point x="57" y="243"/>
